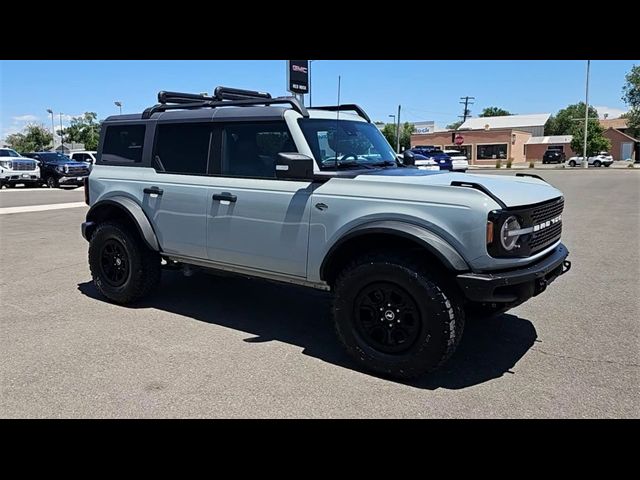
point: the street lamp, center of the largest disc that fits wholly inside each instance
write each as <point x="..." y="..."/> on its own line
<point x="119" y="105"/>
<point x="53" y="133"/>
<point x="394" y="124"/>
<point x="585" y="160"/>
<point x="61" y="135"/>
<point x="310" y="94"/>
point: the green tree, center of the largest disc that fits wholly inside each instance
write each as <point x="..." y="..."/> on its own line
<point x="84" y="129"/>
<point x="631" y="96"/>
<point x="33" y="138"/>
<point x="494" y="112"/>
<point x="596" y="142"/>
<point x="564" y="122"/>
<point x="405" y="135"/>
<point x="389" y="132"/>
<point x="454" y="125"/>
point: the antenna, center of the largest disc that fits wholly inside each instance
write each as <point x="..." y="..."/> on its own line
<point x="335" y="165"/>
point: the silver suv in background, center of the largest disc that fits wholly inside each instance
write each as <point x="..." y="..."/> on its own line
<point x="251" y="185"/>
<point x="16" y="169"/>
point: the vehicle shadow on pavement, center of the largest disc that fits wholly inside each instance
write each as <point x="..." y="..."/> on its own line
<point x="301" y="317"/>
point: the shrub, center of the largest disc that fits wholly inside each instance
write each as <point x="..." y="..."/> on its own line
<point x="630" y="165"/>
<point x="509" y="162"/>
<point x="498" y="163"/>
<point x="532" y="164"/>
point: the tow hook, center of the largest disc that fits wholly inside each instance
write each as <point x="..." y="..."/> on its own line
<point x="566" y="266"/>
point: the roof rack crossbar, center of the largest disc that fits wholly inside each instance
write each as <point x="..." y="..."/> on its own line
<point x="349" y="106"/>
<point x="212" y="103"/>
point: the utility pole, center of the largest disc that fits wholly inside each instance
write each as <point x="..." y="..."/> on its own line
<point x="398" y="132"/>
<point x="585" y="160"/>
<point x="53" y="130"/>
<point x="467" y="112"/>
<point x="61" y="136"/>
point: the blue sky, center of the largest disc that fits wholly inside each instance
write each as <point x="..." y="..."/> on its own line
<point x="427" y="90"/>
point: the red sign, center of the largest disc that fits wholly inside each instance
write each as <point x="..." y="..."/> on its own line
<point x="459" y="139"/>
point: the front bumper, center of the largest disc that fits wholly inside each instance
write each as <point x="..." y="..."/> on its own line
<point x="14" y="177"/>
<point x="71" y="180"/>
<point x="515" y="286"/>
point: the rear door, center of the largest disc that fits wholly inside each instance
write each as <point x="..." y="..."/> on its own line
<point x="174" y="192"/>
<point x="255" y="220"/>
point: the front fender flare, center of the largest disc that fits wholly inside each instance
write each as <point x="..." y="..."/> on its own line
<point x="133" y="211"/>
<point x="432" y="242"/>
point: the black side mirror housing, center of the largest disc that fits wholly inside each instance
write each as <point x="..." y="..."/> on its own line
<point x="292" y="166"/>
<point x="408" y="158"/>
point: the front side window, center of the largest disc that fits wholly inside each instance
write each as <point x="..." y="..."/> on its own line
<point x="347" y="144"/>
<point x="123" y="144"/>
<point x="492" y="152"/>
<point x="251" y="149"/>
<point x="182" y="148"/>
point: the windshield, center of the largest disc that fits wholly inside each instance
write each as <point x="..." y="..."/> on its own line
<point x="54" y="157"/>
<point x="7" y="152"/>
<point x="347" y="144"/>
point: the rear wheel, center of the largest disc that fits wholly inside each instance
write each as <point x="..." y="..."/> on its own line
<point x="597" y="163"/>
<point x="572" y="163"/>
<point x="123" y="268"/>
<point x="394" y="318"/>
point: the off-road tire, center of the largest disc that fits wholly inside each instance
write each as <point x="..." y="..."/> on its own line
<point x="144" y="264"/>
<point x="439" y="307"/>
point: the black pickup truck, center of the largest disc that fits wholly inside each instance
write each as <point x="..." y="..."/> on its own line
<point x="57" y="169"/>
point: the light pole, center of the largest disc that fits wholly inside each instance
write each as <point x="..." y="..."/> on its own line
<point x="585" y="160"/>
<point x="310" y="94"/>
<point x="398" y="132"/>
<point x="53" y="132"/>
<point x="61" y="136"/>
<point x="394" y="121"/>
<point x="119" y="105"/>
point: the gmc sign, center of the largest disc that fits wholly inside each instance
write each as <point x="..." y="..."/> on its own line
<point x="298" y="76"/>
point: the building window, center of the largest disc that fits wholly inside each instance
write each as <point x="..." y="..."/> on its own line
<point x="491" y="152"/>
<point x="559" y="148"/>
<point x="463" y="149"/>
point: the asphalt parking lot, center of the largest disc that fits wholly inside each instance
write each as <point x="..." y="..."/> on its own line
<point x="207" y="346"/>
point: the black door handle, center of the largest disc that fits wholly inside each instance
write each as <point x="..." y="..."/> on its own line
<point x="153" y="191"/>
<point x="225" y="196"/>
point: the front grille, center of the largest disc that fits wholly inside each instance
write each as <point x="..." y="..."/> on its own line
<point x="549" y="235"/>
<point x="547" y="211"/>
<point x="23" y="165"/>
<point x="78" y="171"/>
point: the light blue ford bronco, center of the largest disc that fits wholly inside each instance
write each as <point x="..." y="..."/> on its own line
<point x="247" y="184"/>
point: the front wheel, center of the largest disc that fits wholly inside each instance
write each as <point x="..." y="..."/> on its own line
<point x="394" y="318"/>
<point x="52" y="182"/>
<point x="122" y="267"/>
<point x="572" y="163"/>
<point x="597" y="163"/>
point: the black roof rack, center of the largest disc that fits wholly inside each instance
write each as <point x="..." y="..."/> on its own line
<point x="350" y="107"/>
<point x="223" y="97"/>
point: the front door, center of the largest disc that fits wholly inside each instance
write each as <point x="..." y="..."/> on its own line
<point x="627" y="151"/>
<point x="255" y="220"/>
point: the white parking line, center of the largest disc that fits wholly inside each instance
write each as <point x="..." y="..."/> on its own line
<point x="41" y="208"/>
<point x="34" y="190"/>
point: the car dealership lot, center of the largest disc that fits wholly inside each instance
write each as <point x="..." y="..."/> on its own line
<point x="208" y="346"/>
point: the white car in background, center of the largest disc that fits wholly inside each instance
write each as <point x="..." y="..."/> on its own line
<point x="16" y="169"/>
<point x="459" y="161"/>
<point x="603" y="158"/>
<point x="87" y="156"/>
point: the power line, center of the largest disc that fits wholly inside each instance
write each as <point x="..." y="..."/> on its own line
<point x="467" y="112"/>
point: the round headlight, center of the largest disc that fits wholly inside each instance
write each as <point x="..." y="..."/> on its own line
<point x="507" y="236"/>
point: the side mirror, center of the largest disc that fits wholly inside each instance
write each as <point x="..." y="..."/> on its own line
<point x="408" y="158"/>
<point x="294" y="166"/>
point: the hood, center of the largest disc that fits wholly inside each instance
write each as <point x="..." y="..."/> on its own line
<point x="513" y="191"/>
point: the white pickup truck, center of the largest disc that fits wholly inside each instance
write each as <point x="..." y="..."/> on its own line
<point x="15" y="169"/>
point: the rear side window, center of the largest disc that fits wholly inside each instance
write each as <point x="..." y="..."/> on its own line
<point x="123" y="144"/>
<point x="182" y="148"/>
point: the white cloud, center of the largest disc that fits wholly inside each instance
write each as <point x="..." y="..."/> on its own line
<point x="25" y="118"/>
<point x="609" y="111"/>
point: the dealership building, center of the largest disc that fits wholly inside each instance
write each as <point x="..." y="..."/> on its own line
<point x="521" y="138"/>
